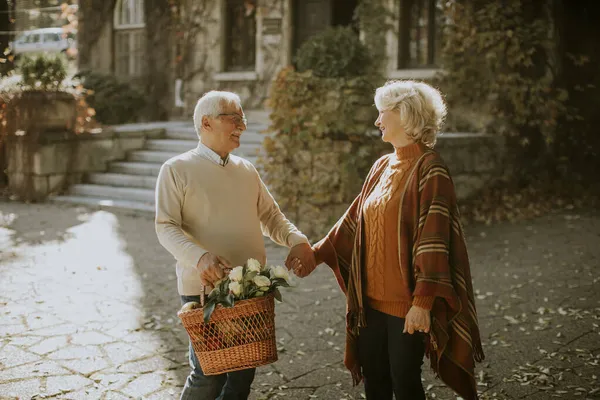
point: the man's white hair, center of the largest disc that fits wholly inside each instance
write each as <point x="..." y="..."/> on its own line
<point x="212" y="104"/>
<point x="421" y="106"/>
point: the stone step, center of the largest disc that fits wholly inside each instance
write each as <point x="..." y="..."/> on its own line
<point x="249" y="136"/>
<point x="122" y="180"/>
<point x="108" y="204"/>
<point x="113" y="192"/>
<point x="159" y="157"/>
<point x="181" y="146"/>
<point x="150" y="156"/>
<point x="175" y="145"/>
<point x="135" y="168"/>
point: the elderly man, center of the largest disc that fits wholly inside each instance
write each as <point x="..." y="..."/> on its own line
<point x="212" y="209"/>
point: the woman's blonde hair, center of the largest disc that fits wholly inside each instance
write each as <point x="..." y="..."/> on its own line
<point x="421" y="107"/>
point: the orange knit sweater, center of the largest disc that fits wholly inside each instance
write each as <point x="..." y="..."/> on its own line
<point x="383" y="275"/>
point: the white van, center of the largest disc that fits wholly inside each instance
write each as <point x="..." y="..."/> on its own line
<point x="45" y="40"/>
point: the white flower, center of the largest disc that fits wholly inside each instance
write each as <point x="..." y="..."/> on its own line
<point x="262" y="281"/>
<point x="191" y="305"/>
<point x="237" y="274"/>
<point x="280" y="272"/>
<point x="253" y="265"/>
<point x="235" y="288"/>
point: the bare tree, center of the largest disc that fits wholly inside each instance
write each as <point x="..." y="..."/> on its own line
<point x="7" y="22"/>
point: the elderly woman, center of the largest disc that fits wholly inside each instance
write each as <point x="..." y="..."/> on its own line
<point x="399" y="255"/>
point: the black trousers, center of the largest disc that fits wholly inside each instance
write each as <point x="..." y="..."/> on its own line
<point x="391" y="360"/>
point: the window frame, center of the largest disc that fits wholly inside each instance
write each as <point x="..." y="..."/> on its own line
<point x="404" y="39"/>
<point x="52" y="37"/>
<point x="131" y="29"/>
<point x="227" y="67"/>
<point x="34" y="38"/>
<point x="141" y="20"/>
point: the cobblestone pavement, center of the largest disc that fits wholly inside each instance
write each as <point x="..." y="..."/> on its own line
<point x="88" y="308"/>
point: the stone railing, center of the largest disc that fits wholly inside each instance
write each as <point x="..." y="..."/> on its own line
<point x="59" y="159"/>
<point x="473" y="159"/>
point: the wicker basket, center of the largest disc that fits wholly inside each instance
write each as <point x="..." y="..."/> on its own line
<point x="235" y="338"/>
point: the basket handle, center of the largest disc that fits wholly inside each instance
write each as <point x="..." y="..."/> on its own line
<point x="202" y="295"/>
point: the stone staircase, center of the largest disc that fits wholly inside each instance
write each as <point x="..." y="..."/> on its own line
<point x="129" y="184"/>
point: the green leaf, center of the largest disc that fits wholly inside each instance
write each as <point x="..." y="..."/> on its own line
<point x="250" y="275"/>
<point x="281" y="282"/>
<point x="214" y="293"/>
<point x="229" y="301"/>
<point x="209" y="308"/>
<point x="277" y="295"/>
<point x="224" y="285"/>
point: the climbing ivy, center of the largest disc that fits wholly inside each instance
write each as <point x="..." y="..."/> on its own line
<point x="375" y="19"/>
<point x="499" y="75"/>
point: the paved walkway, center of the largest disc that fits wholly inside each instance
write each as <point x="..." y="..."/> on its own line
<point x="88" y="311"/>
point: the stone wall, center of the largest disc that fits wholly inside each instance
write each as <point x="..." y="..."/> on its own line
<point x="62" y="159"/>
<point x="473" y="159"/>
<point x="322" y="191"/>
<point x="273" y="40"/>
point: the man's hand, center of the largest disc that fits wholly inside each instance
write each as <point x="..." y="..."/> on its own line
<point x="301" y="260"/>
<point x="417" y="320"/>
<point x="212" y="268"/>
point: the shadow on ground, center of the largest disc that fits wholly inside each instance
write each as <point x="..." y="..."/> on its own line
<point x="88" y="303"/>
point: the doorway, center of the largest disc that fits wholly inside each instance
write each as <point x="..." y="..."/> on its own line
<point x="314" y="16"/>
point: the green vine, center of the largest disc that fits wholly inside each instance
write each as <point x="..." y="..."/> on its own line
<point x="499" y="76"/>
<point x="192" y="22"/>
<point x="375" y="20"/>
<point x="321" y="150"/>
<point x="93" y="15"/>
<point x="526" y="69"/>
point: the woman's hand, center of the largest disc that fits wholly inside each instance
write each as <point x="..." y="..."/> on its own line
<point x="417" y="320"/>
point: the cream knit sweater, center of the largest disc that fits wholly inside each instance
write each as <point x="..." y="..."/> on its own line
<point x="204" y="206"/>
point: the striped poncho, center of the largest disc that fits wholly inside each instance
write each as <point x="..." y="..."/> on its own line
<point x="439" y="263"/>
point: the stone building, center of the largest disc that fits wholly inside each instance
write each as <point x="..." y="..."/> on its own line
<point x="188" y="47"/>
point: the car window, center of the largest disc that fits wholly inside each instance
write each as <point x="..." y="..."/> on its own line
<point x="33" y="38"/>
<point x="22" y="39"/>
<point x="52" y="37"/>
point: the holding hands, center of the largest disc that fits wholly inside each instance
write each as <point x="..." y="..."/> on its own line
<point x="301" y="260"/>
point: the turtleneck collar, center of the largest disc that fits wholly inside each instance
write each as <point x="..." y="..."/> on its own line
<point x="411" y="151"/>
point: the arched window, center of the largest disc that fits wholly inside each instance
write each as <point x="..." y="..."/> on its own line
<point x="129" y="25"/>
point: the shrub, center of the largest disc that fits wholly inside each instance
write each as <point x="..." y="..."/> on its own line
<point x="334" y="53"/>
<point x="496" y="58"/>
<point x="114" y="101"/>
<point x="43" y="72"/>
<point x="321" y="149"/>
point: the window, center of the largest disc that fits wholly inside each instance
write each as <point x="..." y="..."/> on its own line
<point x="240" y="33"/>
<point x="129" y="38"/>
<point x="420" y="29"/>
<point x="314" y="16"/>
<point x="52" y="37"/>
<point x="33" y="38"/>
<point x="22" y="39"/>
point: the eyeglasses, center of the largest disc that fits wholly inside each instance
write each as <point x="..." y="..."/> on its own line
<point x="235" y="118"/>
